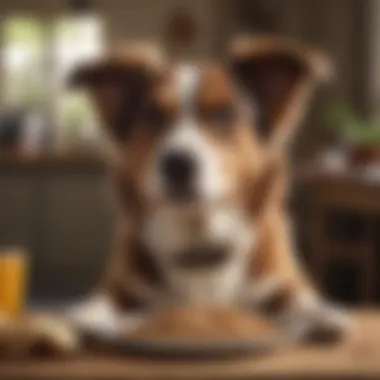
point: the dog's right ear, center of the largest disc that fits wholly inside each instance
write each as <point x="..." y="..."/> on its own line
<point x="119" y="84"/>
<point x="278" y="76"/>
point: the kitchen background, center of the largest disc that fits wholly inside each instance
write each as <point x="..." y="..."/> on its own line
<point x="54" y="197"/>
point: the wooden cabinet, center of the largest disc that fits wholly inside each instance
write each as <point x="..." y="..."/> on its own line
<point x="343" y="221"/>
<point x="61" y="214"/>
<point x="17" y="204"/>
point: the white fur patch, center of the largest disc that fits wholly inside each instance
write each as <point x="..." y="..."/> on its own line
<point x="167" y="230"/>
<point x="95" y="314"/>
<point x="167" y="234"/>
<point x="187" y="137"/>
<point x="187" y="79"/>
<point x="310" y="314"/>
<point x="211" y="287"/>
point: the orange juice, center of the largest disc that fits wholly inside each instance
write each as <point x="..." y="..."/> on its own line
<point x="13" y="272"/>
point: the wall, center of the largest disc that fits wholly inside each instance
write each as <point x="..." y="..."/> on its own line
<point x="138" y="19"/>
<point x="372" y="74"/>
<point x="147" y="19"/>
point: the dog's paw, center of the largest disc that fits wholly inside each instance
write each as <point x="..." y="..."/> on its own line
<point x="328" y="324"/>
<point x="322" y="323"/>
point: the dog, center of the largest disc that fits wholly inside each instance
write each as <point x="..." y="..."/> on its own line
<point x="200" y="174"/>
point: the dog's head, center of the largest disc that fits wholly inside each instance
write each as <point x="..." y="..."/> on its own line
<point x="201" y="131"/>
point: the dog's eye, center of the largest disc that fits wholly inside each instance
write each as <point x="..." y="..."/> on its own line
<point x="220" y="116"/>
<point x="154" y="117"/>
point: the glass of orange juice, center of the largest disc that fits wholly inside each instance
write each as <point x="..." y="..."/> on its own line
<point x="13" y="280"/>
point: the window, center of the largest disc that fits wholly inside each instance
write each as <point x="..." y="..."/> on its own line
<point x="22" y="62"/>
<point x="75" y="40"/>
<point x="37" y="57"/>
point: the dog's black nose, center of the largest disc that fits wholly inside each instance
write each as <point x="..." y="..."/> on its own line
<point x="178" y="169"/>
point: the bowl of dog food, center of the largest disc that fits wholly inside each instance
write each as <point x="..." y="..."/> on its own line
<point x="190" y="332"/>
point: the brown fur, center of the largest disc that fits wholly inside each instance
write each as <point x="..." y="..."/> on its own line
<point x="280" y="75"/>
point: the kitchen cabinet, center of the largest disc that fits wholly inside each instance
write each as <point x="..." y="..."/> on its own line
<point x="59" y="211"/>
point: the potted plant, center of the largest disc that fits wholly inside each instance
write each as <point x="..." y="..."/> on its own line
<point x="359" y="136"/>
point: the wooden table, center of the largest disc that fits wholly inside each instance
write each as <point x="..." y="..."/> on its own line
<point x="358" y="357"/>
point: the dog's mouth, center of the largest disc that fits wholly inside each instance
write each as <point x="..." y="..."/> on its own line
<point x="181" y="195"/>
<point x="202" y="256"/>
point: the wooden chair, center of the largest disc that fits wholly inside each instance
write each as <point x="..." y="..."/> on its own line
<point x="343" y="194"/>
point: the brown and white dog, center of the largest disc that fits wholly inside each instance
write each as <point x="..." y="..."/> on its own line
<point x="201" y="179"/>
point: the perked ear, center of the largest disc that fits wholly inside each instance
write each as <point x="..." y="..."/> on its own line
<point x="278" y="76"/>
<point x="118" y="84"/>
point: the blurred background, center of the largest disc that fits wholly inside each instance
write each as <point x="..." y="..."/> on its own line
<point x="54" y="199"/>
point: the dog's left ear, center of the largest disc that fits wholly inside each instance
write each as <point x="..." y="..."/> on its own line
<point x="278" y="76"/>
<point x="118" y="84"/>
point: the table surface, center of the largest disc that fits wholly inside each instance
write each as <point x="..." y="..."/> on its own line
<point x="358" y="356"/>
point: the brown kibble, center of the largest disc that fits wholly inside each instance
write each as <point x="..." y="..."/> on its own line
<point x="189" y="323"/>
